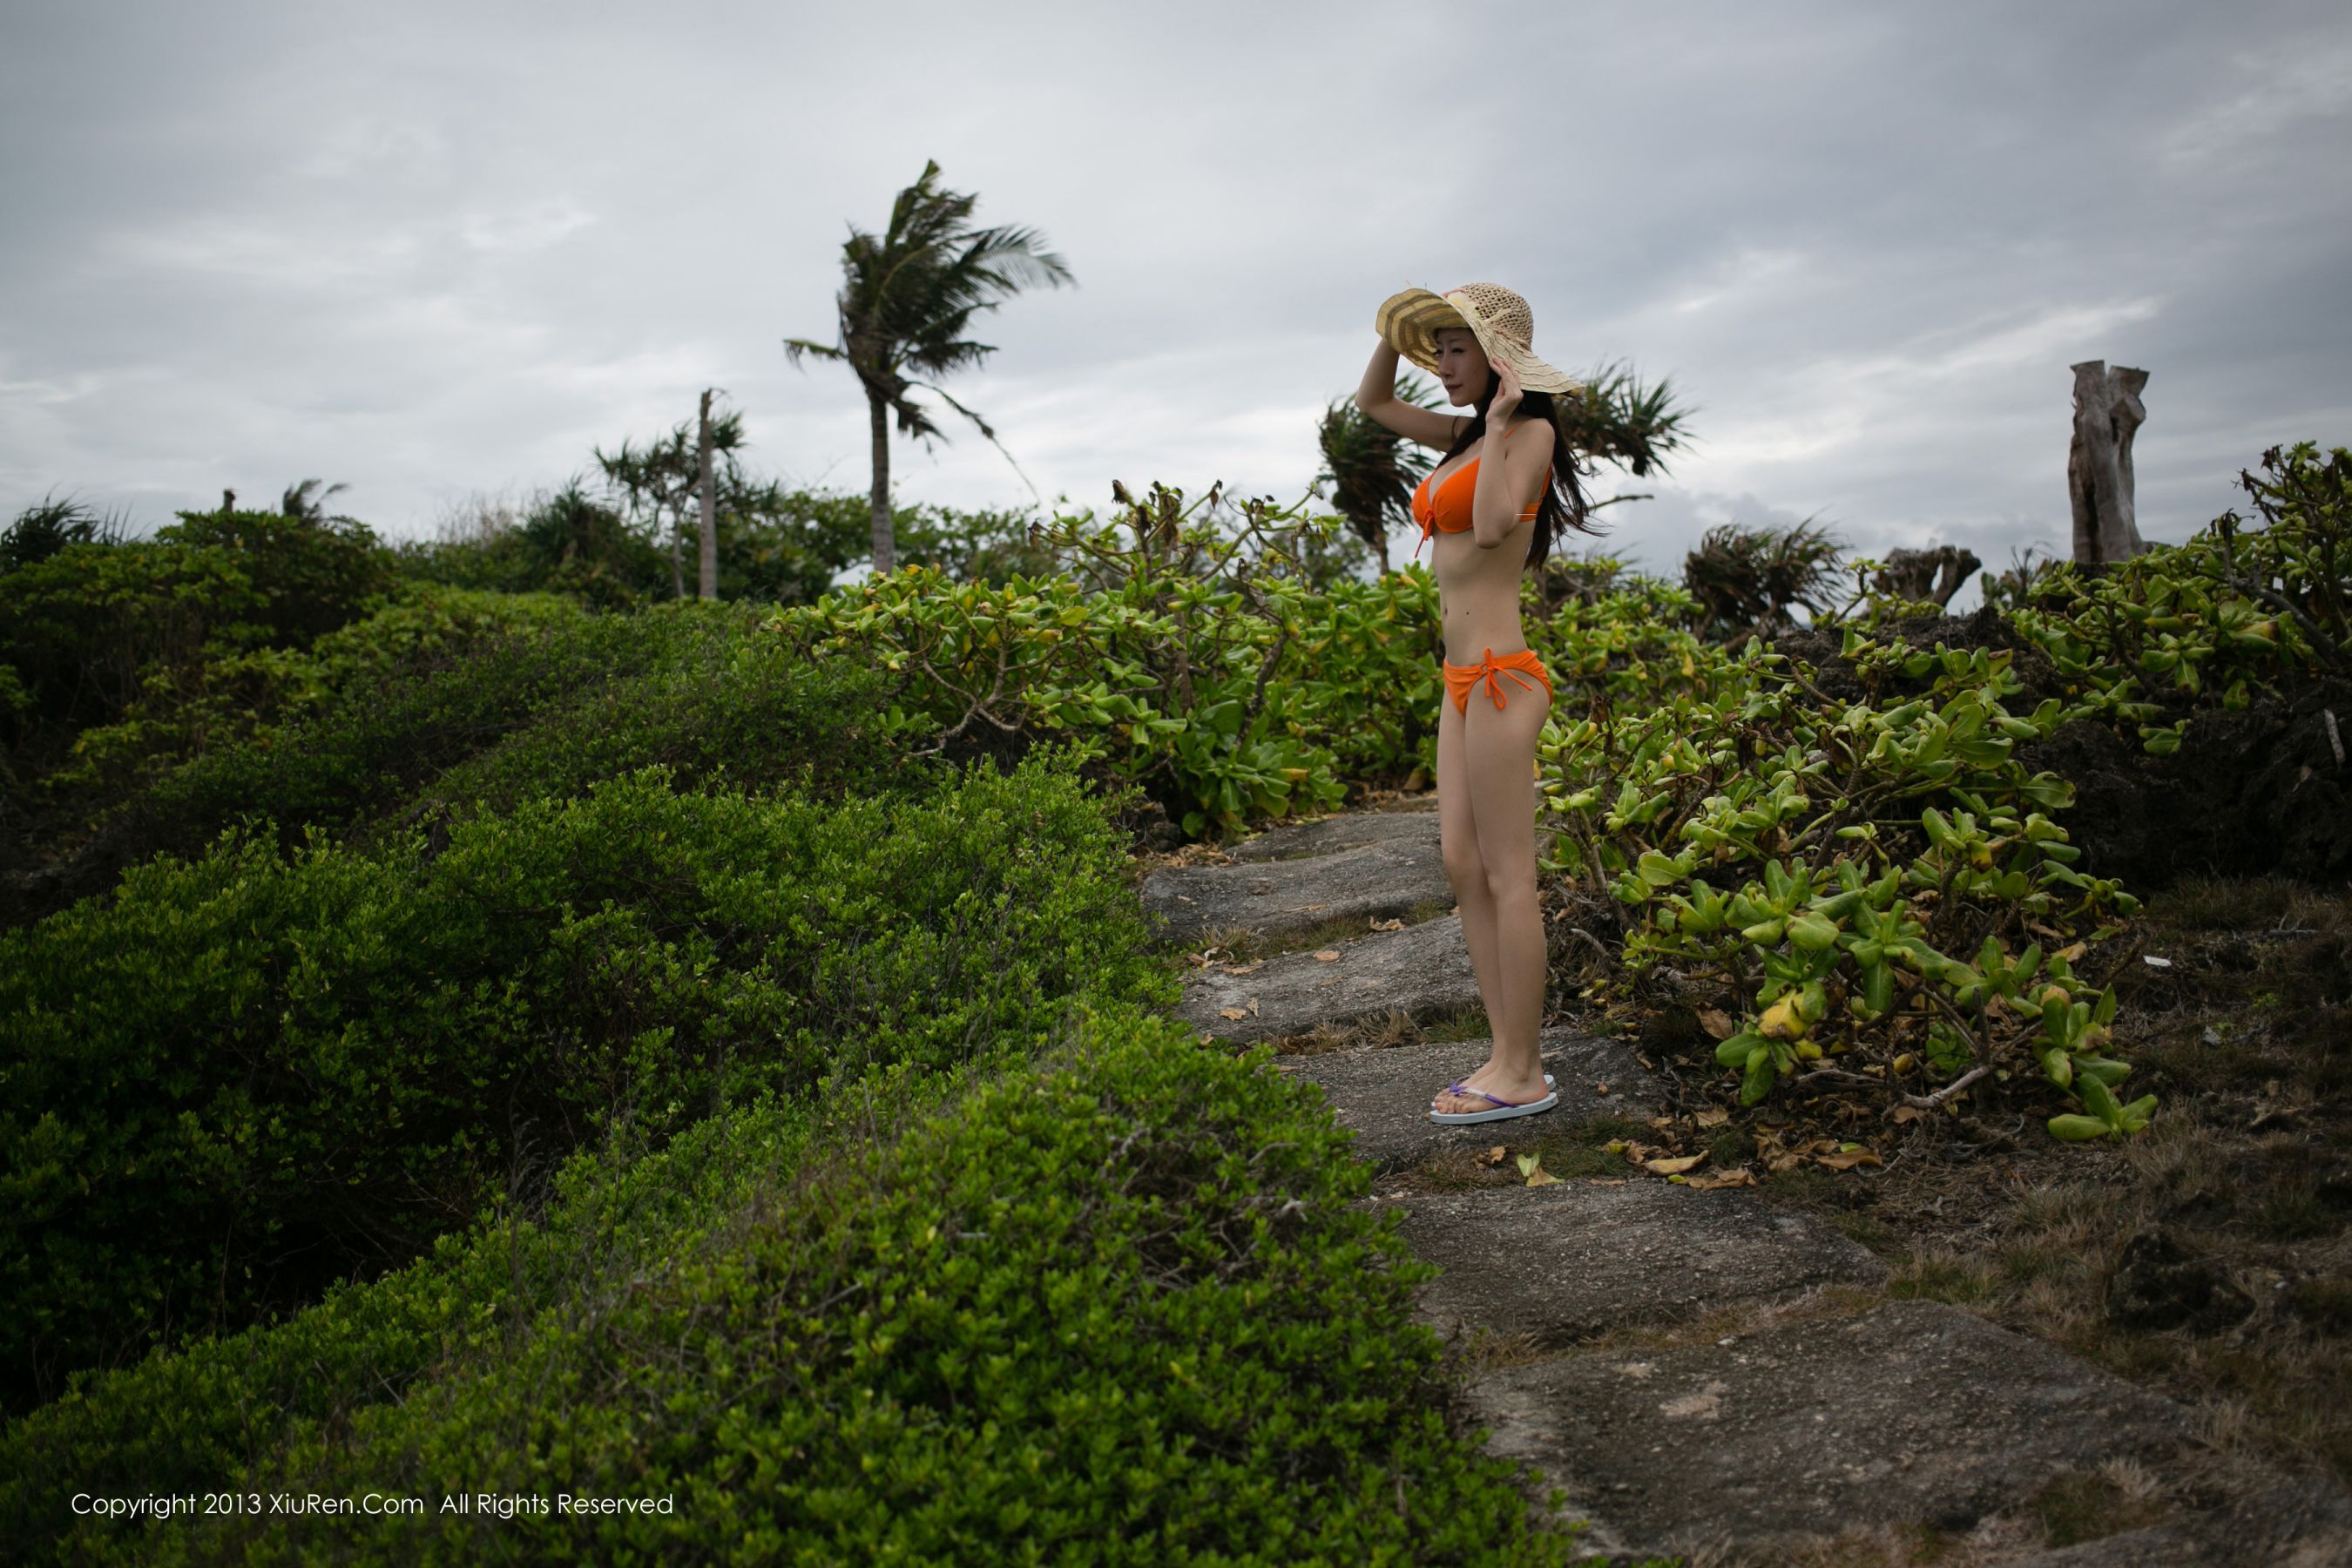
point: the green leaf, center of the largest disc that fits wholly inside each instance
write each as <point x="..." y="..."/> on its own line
<point x="2078" y="1129"/>
<point x="1735" y="1051"/>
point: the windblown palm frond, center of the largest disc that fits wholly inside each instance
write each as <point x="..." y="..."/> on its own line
<point x="301" y="504"/>
<point x="1372" y="470"/>
<point x="1745" y="579"/>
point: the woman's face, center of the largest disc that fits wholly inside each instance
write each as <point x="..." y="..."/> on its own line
<point x="1462" y="367"/>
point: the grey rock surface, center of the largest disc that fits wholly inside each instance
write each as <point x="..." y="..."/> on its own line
<point x="1571" y="1262"/>
<point x="1910" y="1412"/>
<point x="1287" y="840"/>
<point x="1382" y="1093"/>
<point x="1369" y="881"/>
<point x="1422" y="971"/>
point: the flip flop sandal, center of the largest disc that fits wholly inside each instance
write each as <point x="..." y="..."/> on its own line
<point x="1457" y="1089"/>
<point x="1504" y="1110"/>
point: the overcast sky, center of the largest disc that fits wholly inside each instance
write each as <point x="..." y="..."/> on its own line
<point x="437" y="251"/>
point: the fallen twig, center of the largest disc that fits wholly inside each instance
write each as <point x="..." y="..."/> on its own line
<point x="1606" y="956"/>
<point x="1930" y="1101"/>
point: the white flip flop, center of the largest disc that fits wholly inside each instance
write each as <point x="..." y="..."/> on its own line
<point x="1449" y="1088"/>
<point x="1504" y="1110"/>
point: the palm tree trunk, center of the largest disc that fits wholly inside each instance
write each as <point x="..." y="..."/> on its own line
<point x="676" y="527"/>
<point x="709" y="583"/>
<point x="884" y="554"/>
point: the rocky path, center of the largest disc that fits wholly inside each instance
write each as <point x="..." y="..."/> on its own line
<point x="1699" y="1372"/>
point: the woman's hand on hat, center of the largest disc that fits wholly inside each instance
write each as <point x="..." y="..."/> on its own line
<point x="1507" y="393"/>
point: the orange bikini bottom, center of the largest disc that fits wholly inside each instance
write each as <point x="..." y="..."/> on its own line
<point x="1461" y="678"/>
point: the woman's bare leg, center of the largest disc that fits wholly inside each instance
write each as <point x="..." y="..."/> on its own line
<point x="1458" y="846"/>
<point x="1497" y="753"/>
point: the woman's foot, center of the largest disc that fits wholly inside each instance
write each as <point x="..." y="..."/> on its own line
<point x="1491" y="1080"/>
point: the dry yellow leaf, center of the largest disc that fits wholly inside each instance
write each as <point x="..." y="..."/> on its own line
<point x="1672" y="1167"/>
<point x="1716" y="1024"/>
<point x="1713" y="1116"/>
<point x="1231" y="1012"/>
<point x="1493" y="1156"/>
<point x="1849" y="1159"/>
<point x="1328" y="955"/>
<point x="2070" y="953"/>
<point x="1742" y="1177"/>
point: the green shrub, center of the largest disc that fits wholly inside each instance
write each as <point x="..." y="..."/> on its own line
<point x="246" y="1075"/>
<point x="710" y="697"/>
<point x="192" y="1420"/>
<point x="93" y="625"/>
<point x="1119" y="1306"/>
<point x="252" y="695"/>
<point x="452" y="701"/>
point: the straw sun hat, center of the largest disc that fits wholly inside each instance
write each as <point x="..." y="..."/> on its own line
<point x="1499" y="318"/>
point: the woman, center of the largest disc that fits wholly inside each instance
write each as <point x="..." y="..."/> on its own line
<point x="1508" y="481"/>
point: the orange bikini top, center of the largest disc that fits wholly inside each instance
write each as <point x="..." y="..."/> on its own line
<point x="1449" y="511"/>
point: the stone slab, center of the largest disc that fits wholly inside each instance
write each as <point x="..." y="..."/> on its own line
<point x="1422" y="971"/>
<point x="1383" y="1093"/>
<point x="1910" y="1412"/>
<point x="1353" y="830"/>
<point x="1572" y="1262"/>
<point x="1370" y="881"/>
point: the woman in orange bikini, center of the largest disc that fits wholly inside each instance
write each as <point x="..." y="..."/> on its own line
<point x="1508" y="480"/>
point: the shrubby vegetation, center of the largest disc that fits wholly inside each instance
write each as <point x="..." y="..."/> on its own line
<point x="96" y="631"/>
<point x="354" y="892"/>
<point x="247" y="1074"/>
<point x="1117" y="1301"/>
<point x="1847" y="844"/>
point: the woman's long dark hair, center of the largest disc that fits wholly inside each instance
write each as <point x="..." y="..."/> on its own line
<point x="1563" y="504"/>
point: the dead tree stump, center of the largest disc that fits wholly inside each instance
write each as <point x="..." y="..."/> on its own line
<point x="2107" y="410"/>
<point x="1934" y="574"/>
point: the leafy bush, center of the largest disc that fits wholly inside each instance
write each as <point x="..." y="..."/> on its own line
<point x="1217" y="680"/>
<point x="1121" y="1305"/>
<point x="196" y="1420"/>
<point x="2233" y="610"/>
<point x="252" y="694"/>
<point x="452" y="701"/>
<point x="244" y="1075"/>
<point x="1862" y="862"/>
<point x="1871" y="875"/>
<point x="92" y="626"/>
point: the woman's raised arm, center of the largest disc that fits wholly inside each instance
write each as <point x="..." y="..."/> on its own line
<point x="1378" y="399"/>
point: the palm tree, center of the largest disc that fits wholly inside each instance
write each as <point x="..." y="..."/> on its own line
<point x="1369" y="468"/>
<point x="906" y="298"/>
<point x="664" y="477"/>
<point x="306" y="502"/>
